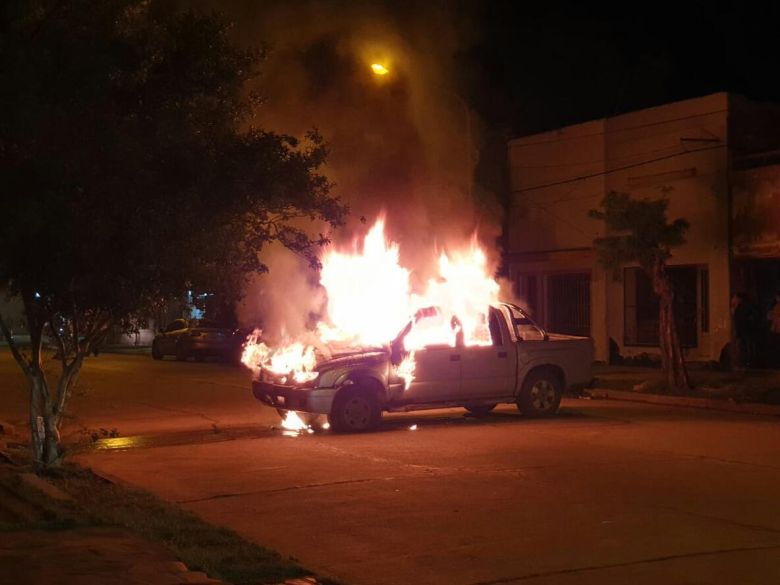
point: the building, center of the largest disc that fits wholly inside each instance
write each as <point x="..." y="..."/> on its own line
<point x="717" y="159"/>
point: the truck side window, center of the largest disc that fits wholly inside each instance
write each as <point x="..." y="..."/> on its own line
<point x="495" y="328"/>
<point x="524" y="328"/>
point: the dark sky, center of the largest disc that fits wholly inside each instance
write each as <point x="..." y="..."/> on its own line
<point x="536" y="66"/>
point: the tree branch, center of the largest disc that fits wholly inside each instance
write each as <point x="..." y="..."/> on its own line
<point x="59" y="339"/>
<point x="14" y="348"/>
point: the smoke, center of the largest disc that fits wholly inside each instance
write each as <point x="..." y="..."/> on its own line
<point x="405" y="143"/>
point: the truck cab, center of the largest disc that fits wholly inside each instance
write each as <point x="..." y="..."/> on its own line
<point x="520" y="363"/>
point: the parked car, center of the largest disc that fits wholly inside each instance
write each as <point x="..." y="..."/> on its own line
<point x="525" y="365"/>
<point x="199" y="339"/>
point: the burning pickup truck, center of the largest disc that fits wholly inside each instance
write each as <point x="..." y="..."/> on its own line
<point x="517" y="362"/>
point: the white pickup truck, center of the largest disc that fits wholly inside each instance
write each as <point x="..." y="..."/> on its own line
<point x="524" y="365"/>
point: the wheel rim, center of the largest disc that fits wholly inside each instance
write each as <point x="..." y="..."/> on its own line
<point x="357" y="413"/>
<point x="543" y="395"/>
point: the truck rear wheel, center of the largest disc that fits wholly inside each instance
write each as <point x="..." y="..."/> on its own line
<point x="541" y="394"/>
<point x="355" y="410"/>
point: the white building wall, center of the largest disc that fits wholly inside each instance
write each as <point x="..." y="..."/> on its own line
<point x="678" y="150"/>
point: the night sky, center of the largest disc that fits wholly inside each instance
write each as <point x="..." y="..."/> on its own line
<point x="404" y="145"/>
<point x="542" y="65"/>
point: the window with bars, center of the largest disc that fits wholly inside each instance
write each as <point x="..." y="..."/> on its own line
<point x="568" y="303"/>
<point x="641" y="318"/>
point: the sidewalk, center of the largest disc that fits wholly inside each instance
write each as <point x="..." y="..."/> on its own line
<point x="87" y="556"/>
<point x="78" y="528"/>
<point x="712" y="388"/>
<point x="44" y="538"/>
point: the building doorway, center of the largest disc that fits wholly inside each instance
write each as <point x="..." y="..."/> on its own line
<point x="759" y="279"/>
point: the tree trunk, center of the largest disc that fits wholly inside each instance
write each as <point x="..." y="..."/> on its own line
<point x="672" y="359"/>
<point x="37" y="433"/>
<point x="44" y="421"/>
<point x="46" y="407"/>
<point x="45" y="411"/>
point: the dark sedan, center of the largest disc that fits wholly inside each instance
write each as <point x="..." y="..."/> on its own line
<point x="198" y="339"/>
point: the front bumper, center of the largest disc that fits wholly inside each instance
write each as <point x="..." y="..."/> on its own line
<point x="315" y="400"/>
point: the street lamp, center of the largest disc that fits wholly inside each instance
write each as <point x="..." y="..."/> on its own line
<point x="380" y="71"/>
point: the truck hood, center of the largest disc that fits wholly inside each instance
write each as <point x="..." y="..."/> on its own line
<point x="357" y="358"/>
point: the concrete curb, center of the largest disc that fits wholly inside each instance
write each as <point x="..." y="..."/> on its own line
<point x="687" y="401"/>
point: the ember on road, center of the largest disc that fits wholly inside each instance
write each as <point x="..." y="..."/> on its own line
<point x="605" y="493"/>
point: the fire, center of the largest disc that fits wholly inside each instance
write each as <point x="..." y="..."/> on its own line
<point x="293" y="422"/>
<point x="405" y="370"/>
<point x="368" y="292"/>
<point x="466" y="291"/>
<point x="295" y="360"/>
<point x="369" y="300"/>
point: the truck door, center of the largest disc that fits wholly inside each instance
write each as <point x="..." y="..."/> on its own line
<point x="436" y="374"/>
<point x="489" y="371"/>
<point x="437" y="365"/>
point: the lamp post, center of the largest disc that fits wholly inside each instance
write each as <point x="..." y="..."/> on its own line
<point x="381" y="70"/>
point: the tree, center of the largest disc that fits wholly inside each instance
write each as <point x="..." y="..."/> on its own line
<point x="129" y="172"/>
<point x="638" y="231"/>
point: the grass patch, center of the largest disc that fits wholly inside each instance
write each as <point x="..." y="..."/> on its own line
<point x="217" y="551"/>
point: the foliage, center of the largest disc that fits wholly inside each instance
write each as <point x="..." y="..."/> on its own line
<point x="130" y="170"/>
<point x="636" y="231"/>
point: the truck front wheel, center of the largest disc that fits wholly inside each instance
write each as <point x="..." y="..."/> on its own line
<point x="541" y="394"/>
<point x="355" y="410"/>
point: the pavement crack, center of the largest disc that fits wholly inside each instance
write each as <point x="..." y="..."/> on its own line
<point x="757" y="527"/>
<point x="285" y="489"/>
<point x="660" y="559"/>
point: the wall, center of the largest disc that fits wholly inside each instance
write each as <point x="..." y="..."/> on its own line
<point x="677" y="150"/>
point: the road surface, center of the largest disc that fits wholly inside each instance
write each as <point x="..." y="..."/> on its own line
<point x="608" y="492"/>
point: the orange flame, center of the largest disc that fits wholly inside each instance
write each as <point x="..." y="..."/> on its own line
<point x="369" y="300"/>
<point x="293" y="422"/>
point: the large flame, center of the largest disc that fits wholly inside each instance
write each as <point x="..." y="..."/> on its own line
<point x="368" y="292"/>
<point x="369" y="301"/>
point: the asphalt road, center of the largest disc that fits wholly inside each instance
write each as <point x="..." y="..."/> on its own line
<point x="607" y="492"/>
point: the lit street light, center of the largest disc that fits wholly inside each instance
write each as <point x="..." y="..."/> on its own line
<point x="379" y="69"/>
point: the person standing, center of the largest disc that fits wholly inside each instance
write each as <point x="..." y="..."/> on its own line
<point x="745" y="330"/>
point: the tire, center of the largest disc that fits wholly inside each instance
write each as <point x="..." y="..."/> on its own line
<point x="541" y="394"/>
<point x="181" y="353"/>
<point x="156" y="354"/>
<point x="479" y="409"/>
<point x="355" y="410"/>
